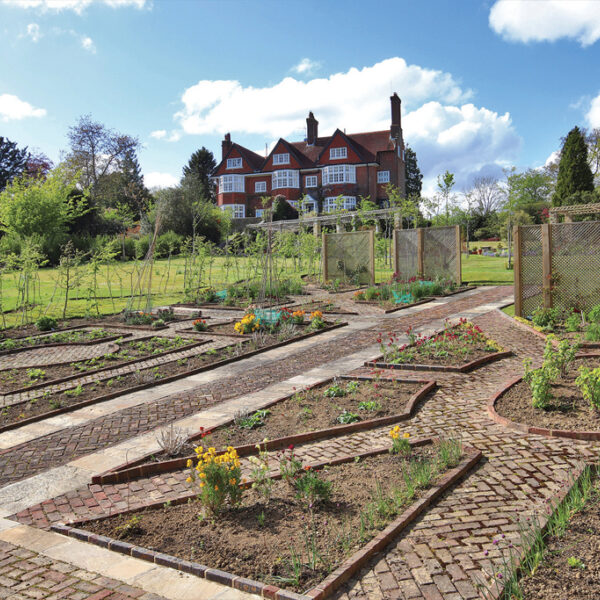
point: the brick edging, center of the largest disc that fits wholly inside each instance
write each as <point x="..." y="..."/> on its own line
<point x="138" y="468"/>
<point x="524" y="428"/>
<point x="443" y="368"/>
<point x="338" y="577"/>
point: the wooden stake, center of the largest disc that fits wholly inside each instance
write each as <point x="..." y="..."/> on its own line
<point x="518" y="273"/>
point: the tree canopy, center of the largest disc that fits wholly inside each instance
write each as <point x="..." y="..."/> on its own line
<point x="13" y="161"/>
<point x="413" y="176"/>
<point x="574" y="173"/>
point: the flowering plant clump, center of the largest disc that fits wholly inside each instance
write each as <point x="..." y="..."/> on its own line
<point x="285" y="314"/>
<point x="400" y="443"/>
<point x="261" y="479"/>
<point x="249" y="324"/>
<point x="298" y="317"/>
<point x="138" y="318"/>
<point x="200" y="325"/>
<point x="359" y="295"/>
<point x="216" y="478"/>
<point x="303" y="479"/>
<point x="316" y="320"/>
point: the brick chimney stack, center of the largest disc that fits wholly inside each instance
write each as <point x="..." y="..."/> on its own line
<point x="396" y="127"/>
<point x="312" y="129"/>
<point x="226" y="145"/>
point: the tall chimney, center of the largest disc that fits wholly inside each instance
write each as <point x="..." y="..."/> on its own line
<point x="225" y="145"/>
<point x="312" y="129"/>
<point x="396" y="127"/>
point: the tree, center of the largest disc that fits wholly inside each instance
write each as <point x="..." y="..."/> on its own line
<point x="445" y="184"/>
<point x="283" y="210"/>
<point x="413" y="176"/>
<point x="593" y="143"/>
<point x="574" y="173"/>
<point x="486" y="195"/>
<point x="197" y="174"/>
<point x="39" y="209"/>
<point x="531" y="191"/>
<point x="38" y="165"/>
<point x="133" y="195"/>
<point x="12" y="161"/>
<point x="96" y="152"/>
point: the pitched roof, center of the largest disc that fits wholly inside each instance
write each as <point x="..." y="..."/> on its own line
<point x="304" y="161"/>
<point x="254" y="160"/>
<point x="374" y="141"/>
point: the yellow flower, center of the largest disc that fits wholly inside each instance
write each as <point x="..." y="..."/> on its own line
<point x="406" y="435"/>
<point x="202" y="484"/>
<point x="232" y="481"/>
<point x="189" y="480"/>
<point x="202" y="475"/>
<point x="216" y="488"/>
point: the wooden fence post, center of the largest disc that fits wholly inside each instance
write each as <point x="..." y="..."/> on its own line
<point x="518" y="272"/>
<point x="395" y="250"/>
<point x="324" y="257"/>
<point x="458" y="256"/>
<point x="547" y="264"/>
<point x="372" y="255"/>
<point x="420" y="261"/>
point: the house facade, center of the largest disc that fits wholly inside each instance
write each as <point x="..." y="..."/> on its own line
<point x="327" y="173"/>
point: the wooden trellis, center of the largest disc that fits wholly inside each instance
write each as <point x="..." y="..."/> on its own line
<point x="349" y="256"/>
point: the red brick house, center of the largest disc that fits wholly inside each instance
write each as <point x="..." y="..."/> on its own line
<point x="319" y="169"/>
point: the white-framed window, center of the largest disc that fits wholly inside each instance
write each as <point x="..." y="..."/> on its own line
<point x="281" y="159"/>
<point x="260" y="186"/>
<point x="337" y="153"/>
<point x="310" y="181"/>
<point x="259" y="212"/>
<point x="333" y="203"/>
<point x="285" y="179"/>
<point x="238" y="210"/>
<point x="231" y="183"/>
<point x="383" y="176"/>
<point x="339" y="174"/>
<point x="234" y="163"/>
<point x="309" y="206"/>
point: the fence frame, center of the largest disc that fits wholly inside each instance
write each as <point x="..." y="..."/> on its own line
<point x="421" y="232"/>
<point x="324" y="247"/>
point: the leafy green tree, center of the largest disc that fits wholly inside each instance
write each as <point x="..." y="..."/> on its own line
<point x="39" y="209"/>
<point x="197" y="174"/>
<point x="531" y="191"/>
<point x="12" y="161"/>
<point x="574" y="173"/>
<point x="445" y="183"/>
<point x="413" y="176"/>
<point x="283" y="210"/>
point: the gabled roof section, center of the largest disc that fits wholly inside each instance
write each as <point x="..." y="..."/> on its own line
<point x="374" y="141"/>
<point x="303" y="160"/>
<point x="253" y="160"/>
<point x="363" y="153"/>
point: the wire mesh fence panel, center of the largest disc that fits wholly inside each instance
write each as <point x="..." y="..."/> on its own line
<point x="349" y="257"/>
<point x="406" y="249"/>
<point x="440" y="254"/>
<point x="531" y="268"/>
<point x="576" y="264"/>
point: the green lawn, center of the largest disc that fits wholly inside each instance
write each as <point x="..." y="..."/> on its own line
<point x="486" y="270"/>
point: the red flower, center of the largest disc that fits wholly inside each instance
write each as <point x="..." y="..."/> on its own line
<point x="291" y="447"/>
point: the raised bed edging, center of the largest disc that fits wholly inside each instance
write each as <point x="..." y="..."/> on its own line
<point x="524" y="428"/>
<point x="333" y="581"/>
<point x="168" y="379"/>
<point x="139" y="468"/>
<point x="478" y="362"/>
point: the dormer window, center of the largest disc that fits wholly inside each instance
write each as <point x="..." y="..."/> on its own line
<point x="337" y="153"/>
<point x="281" y="159"/>
<point x="234" y="163"/>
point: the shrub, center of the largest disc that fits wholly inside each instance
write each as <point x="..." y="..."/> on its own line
<point x="142" y="245"/>
<point x="572" y="322"/>
<point x="559" y="359"/>
<point x="589" y="384"/>
<point x="168" y="243"/>
<point x="158" y="324"/>
<point x="545" y="318"/>
<point x="594" y="314"/>
<point x="539" y="381"/>
<point x="592" y="333"/>
<point x="46" y="323"/>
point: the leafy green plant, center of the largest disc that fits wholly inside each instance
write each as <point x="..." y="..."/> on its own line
<point x="539" y="381"/>
<point x="335" y="391"/>
<point x="592" y="332"/>
<point x="46" y="323"/>
<point x="77" y="391"/>
<point x="400" y="443"/>
<point x="260" y="472"/>
<point x="575" y="563"/>
<point x="594" y="314"/>
<point x="572" y="322"/>
<point x="130" y="527"/>
<point x="36" y="374"/>
<point x="257" y="419"/>
<point x="546" y="318"/>
<point x="352" y="386"/>
<point x="588" y="382"/>
<point x="369" y="405"/>
<point x="311" y="488"/>
<point x="347" y="417"/>
<point x="558" y="359"/>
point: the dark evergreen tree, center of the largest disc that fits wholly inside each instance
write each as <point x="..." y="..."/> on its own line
<point x="12" y="161"/>
<point x="197" y="174"/>
<point x="283" y="210"/>
<point x="574" y="173"/>
<point x="135" y="194"/>
<point x="414" y="177"/>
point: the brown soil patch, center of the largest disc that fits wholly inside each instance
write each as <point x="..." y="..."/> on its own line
<point x="569" y="411"/>
<point x="454" y="359"/>
<point x="236" y="541"/>
<point x="554" y="579"/>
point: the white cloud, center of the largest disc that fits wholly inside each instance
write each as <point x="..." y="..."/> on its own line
<point x="13" y="108"/>
<point x="306" y="67"/>
<point x="159" y="134"/>
<point x="593" y="114"/>
<point x="356" y="99"/>
<point x="553" y="158"/>
<point x="33" y="31"/>
<point x="550" y="20"/>
<point x="156" y="180"/>
<point x="77" y="6"/>
<point x="87" y="43"/>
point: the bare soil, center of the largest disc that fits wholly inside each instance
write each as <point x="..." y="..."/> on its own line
<point x="342" y="287"/>
<point x="256" y="539"/>
<point x="568" y="411"/>
<point x="312" y="410"/>
<point x="324" y="307"/>
<point x="554" y="579"/>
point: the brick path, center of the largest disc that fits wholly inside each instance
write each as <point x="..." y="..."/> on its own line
<point x="25" y="575"/>
<point x="59" y="448"/>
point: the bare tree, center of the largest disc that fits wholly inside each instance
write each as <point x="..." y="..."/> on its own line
<point x="486" y="195"/>
<point x="96" y="152"/>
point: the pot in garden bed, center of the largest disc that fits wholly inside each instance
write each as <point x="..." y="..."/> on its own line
<point x="351" y="476"/>
<point x="285" y="413"/>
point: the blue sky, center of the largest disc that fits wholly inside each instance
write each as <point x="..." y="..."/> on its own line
<point x="485" y="84"/>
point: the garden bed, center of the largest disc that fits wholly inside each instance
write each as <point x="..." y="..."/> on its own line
<point x="567" y="415"/>
<point x="227" y="329"/>
<point x="69" y="337"/>
<point x="312" y="547"/>
<point x="323" y="306"/>
<point x="335" y="286"/>
<point x="460" y="348"/>
<point x="127" y="353"/>
<point x="559" y="331"/>
<point x="306" y="415"/>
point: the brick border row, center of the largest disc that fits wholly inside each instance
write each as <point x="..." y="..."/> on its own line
<point x="331" y="583"/>
<point x="139" y="468"/>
